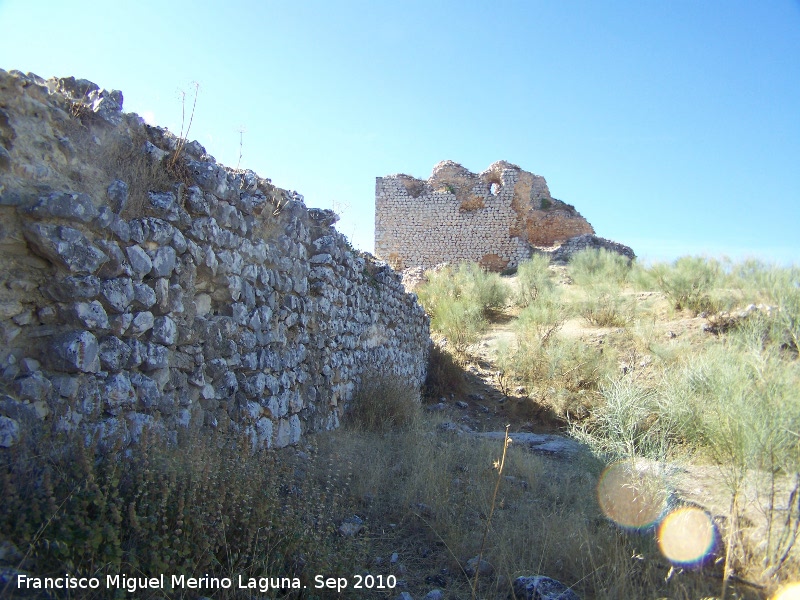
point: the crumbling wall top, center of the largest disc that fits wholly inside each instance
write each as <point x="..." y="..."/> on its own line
<point x="494" y="217"/>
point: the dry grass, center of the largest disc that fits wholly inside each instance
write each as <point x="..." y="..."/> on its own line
<point x="445" y="374"/>
<point x="384" y="403"/>
<point x="210" y="504"/>
<point x="427" y="496"/>
<point x="126" y="160"/>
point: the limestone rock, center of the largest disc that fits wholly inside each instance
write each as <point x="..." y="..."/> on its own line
<point x="65" y="246"/>
<point x="481" y="566"/>
<point x="351" y="526"/>
<point x="117" y="194"/>
<point x="73" y="352"/>
<point x="541" y="588"/>
<point x="72" y="288"/>
<point x="33" y="387"/>
<point x="143" y="295"/>
<point x="164" y="331"/>
<point x="91" y="315"/>
<point x="139" y="260"/>
<point x="118" y="393"/>
<point x="588" y="241"/>
<point x="118" y="293"/>
<point x="65" y="206"/>
<point x="114" y="353"/>
<point x="146" y="389"/>
<point x="542" y="443"/>
<point x="163" y="261"/>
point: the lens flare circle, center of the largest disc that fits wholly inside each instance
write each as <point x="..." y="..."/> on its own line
<point x="687" y="535"/>
<point x="630" y="496"/>
<point x="789" y="592"/>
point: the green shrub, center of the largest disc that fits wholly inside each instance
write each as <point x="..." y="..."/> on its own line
<point x="547" y="310"/>
<point x="752" y="276"/>
<point x="598" y="266"/>
<point x="460" y="321"/>
<point x="487" y="290"/>
<point x="628" y="423"/>
<point x="739" y="401"/>
<point x="458" y="300"/>
<point x="783" y="290"/>
<point x="642" y="278"/>
<point x="533" y="279"/>
<point x="779" y="287"/>
<point x="690" y="283"/>
<point x="559" y="372"/>
<point x="605" y="307"/>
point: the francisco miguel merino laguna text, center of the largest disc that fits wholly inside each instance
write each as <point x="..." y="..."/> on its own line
<point x="132" y="584"/>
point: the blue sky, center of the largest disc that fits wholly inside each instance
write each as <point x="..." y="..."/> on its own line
<point x="673" y="126"/>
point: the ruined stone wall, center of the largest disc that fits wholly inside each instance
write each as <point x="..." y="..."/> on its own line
<point x="494" y="218"/>
<point x="144" y="285"/>
<point x="565" y="251"/>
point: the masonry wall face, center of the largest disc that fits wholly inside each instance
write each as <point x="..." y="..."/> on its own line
<point x="433" y="229"/>
<point x="224" y="303"/>
<point x="494" y="218"/>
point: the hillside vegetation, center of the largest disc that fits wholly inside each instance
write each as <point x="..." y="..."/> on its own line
<point x="679" y="381"/>
<point x="691" y="366"/>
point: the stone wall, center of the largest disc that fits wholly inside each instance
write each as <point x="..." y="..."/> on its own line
<point x="564" y="252"/>
<point x="494" y="218"/>
<point x="144" y="285"/>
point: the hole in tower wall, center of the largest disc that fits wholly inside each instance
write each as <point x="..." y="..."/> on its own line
<point x="494" y="188"/>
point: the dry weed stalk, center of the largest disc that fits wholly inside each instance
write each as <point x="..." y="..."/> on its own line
<point x="241" y="145"/>
<point x="183" y="137"/>
<point x="499" y="466"/>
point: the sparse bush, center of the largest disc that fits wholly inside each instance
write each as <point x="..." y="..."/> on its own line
<point x="460" y="321"/>
<point x="486" y="289"/>
<point x="690" y="283"/>
<point x="752" y="276"/>
<point x="547" y="311"/>
<point x="605" y="307"/>
<point x="384" y="403"/>
<point x="739" y="402"/>
<point x="629" y="423"/>
<point x="642" y="278"/>
<point x="438" y="489"/>
<point x="533" y="279"/>
<point x="734" y="402"/>
<point x="779" y="287"/>
<point x="125" y="158"/>
<point x="458" y="300"/>
<point x="784" y="291"/>
<point x="561" y="373"/>
<point x="594" y="266"/>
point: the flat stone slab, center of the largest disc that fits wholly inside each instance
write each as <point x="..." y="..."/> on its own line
<point x="540" y="443"/>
